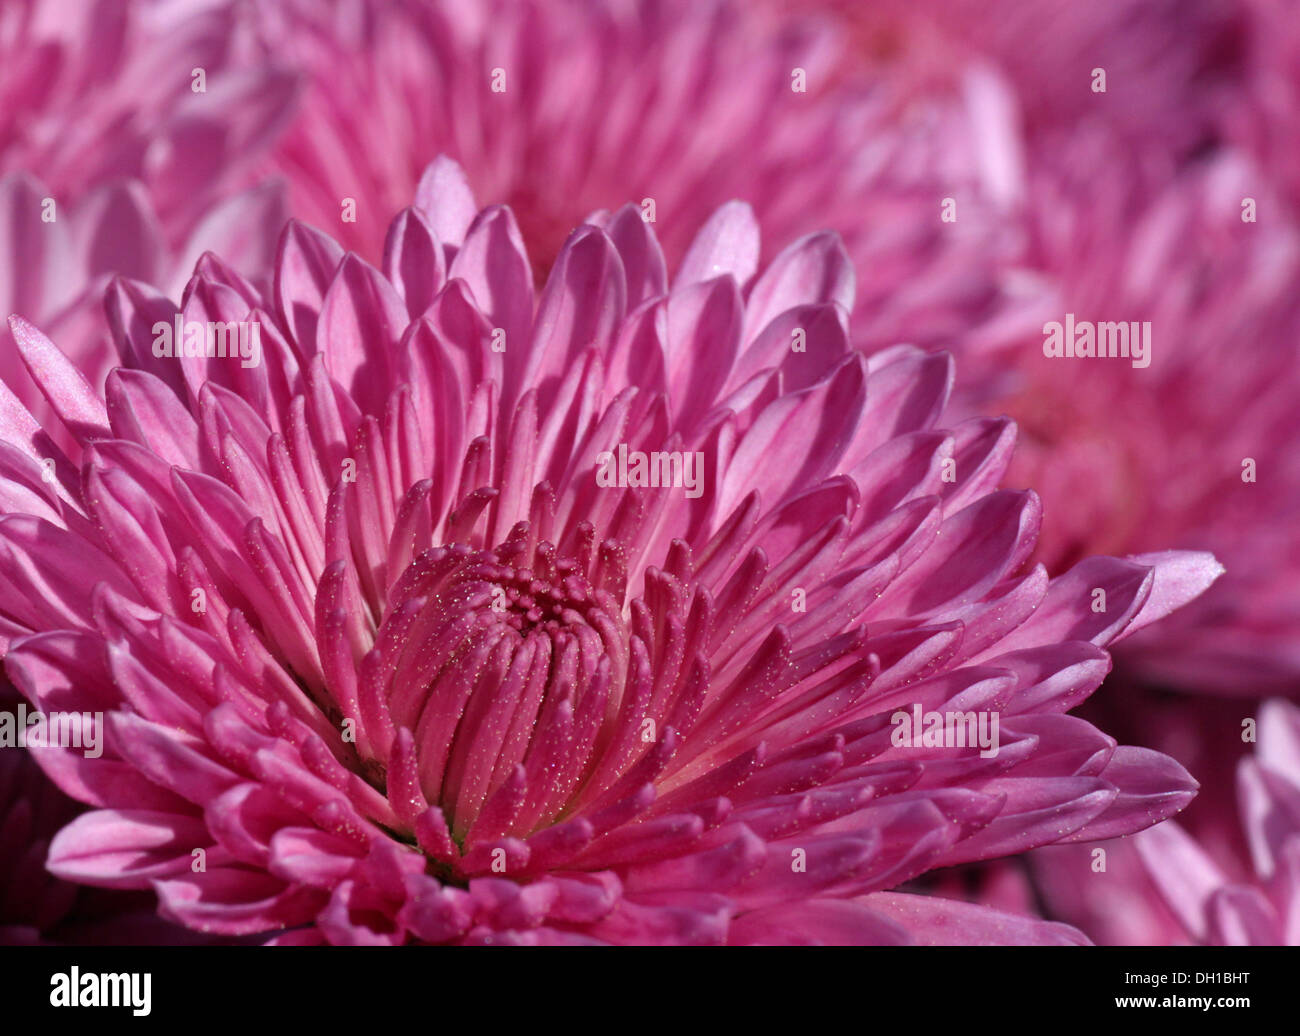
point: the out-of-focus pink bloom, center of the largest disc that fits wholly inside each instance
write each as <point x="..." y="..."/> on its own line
<point x="1195" y="449"/>
<point x="112" y="163"/>
<point x="1262" y="111"/>
<point x="371" y="627"/>
<point x="560" y="109"/>
<point x="1213" y="902"/>
<point x="1163" y="62"/>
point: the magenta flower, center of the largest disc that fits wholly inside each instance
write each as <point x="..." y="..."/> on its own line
<point x="392" y="642"/>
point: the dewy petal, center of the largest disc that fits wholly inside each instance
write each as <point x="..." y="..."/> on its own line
<point x="580" y="307"/>
<point x="126" y="848"/>
<point x="361" y="320"/>
<point x="771" y="450"/>
<point x="304" y="267"/>
<point x="643" y="259"/>
<point x="1152" y="786"/>
<point x="813" y="269"/>
<point x="235" y="901"/>
<point x="703" y="337"/>
<point x="492" y="261"/>
<point x="414" y="260"/>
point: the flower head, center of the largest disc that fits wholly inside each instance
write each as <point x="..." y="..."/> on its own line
<point x="393" y="643"/>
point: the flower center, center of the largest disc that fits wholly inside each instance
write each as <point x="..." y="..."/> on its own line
<point x="494" y="681"/>
<point x="526" y="600"/>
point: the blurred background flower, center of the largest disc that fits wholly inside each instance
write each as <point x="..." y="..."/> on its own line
<point x="129" y="136"/>
<point x="565" y="108"/>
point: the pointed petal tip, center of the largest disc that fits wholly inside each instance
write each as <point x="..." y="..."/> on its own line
<point x="1179" y="577"/>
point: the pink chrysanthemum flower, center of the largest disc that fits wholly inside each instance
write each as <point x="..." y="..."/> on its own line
<point x="539" y="104"/>
<point x="129" y="136"/>
<point x="383" y="657"/>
